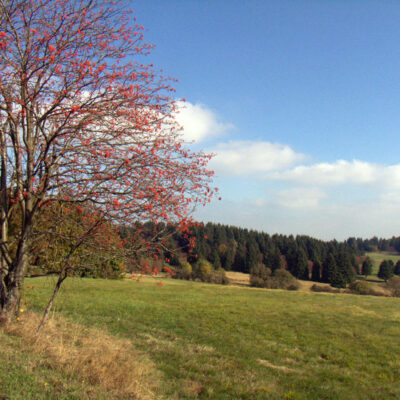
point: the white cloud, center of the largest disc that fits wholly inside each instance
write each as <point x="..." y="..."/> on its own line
<point x="338" y="172"/>
<point x="252" y="157"/>
<point x="327" y="221"/>
<point x="300" y="198"/>
<point x="199" y="122"/>
<point x="343" y="172"/>
<point x="279" y="192"/>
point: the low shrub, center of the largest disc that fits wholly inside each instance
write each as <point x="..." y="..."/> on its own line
<point x="219" y="277"/>
<point x="364" y="288"/>
<point x="285" y="280"/>
<point x="202" y="271"/>
<point x="393" y="285"/>
<point x="261" y="276"/>
<point x="256" y="281"/>
<point x="323" y="288"/>
<point x="183" y="271"/>
<point x="361" y="287"/>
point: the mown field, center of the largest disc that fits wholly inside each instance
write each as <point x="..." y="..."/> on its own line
<point x="215" y="342"/>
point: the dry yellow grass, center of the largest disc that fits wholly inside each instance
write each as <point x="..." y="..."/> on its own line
<point x="95" y="357"/>
<point x="241" y="279"/>
<point x="238" y="278"/>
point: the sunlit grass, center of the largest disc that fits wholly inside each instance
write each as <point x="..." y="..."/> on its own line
<point x="221" y="342"/>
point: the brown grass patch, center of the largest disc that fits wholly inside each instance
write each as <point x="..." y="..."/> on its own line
<point x="92" y="355"/>
<point x="238" y="278"/>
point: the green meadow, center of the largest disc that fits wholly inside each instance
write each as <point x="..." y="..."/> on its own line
<point x="378" y="256"/>
<point x="222" y="342"/>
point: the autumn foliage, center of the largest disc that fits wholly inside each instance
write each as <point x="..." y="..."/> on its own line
<point x="85" y="122"/>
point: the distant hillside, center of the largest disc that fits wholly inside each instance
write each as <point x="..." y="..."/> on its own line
<point x="240" y="249"/>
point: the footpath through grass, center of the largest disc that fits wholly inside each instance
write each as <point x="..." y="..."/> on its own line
<point x="217" y="342"/>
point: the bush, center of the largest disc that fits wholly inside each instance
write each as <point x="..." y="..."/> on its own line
<point x="256" y="281"/>
<point x="294" y="286"/>
<point x="184" y="271"/>
<point x="111" y="269"/>
<point x="323" y="288"/>
<point x="261" y="271"/>
<point x="393" y="284"/>
<point x="361" y="287"/>
<point x="219" y="277"/>
<point x="284" y="279"/>
<point x="202" y="270"/>
<point x="261" y="276"/>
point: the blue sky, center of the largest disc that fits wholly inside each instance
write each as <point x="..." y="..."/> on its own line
<point x="301" y="102"/>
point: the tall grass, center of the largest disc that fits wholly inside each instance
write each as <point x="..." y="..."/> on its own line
<point x="95" y="357"/>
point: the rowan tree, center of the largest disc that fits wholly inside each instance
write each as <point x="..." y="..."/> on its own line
<point x="83" y="121"/>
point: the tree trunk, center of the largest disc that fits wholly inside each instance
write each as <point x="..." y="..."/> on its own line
<point x="60" y="280"/>
<point x="14" y="279"/>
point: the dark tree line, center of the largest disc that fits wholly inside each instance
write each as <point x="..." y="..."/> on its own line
<point x="375" y="244"/>
<point x="239" y="249"/>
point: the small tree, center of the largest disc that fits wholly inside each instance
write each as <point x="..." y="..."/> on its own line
<point x="386" y="270"/>
<point x="367" y="265"/>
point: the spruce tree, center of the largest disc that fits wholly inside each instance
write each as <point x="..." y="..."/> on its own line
<point x="345" y="267"/>
<point x="316" y="271"/>
<point x="331" y="273"/>
<point x="302" y="265"/>
<point x="386" y="270"/>
<point x="215" y="259"/>
<point x="366" y="269"/>
<point x="275" y="258"/>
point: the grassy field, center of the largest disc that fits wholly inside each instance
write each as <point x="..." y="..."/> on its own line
<point x="216" y="342"/>
<point x="378" y="256"/>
